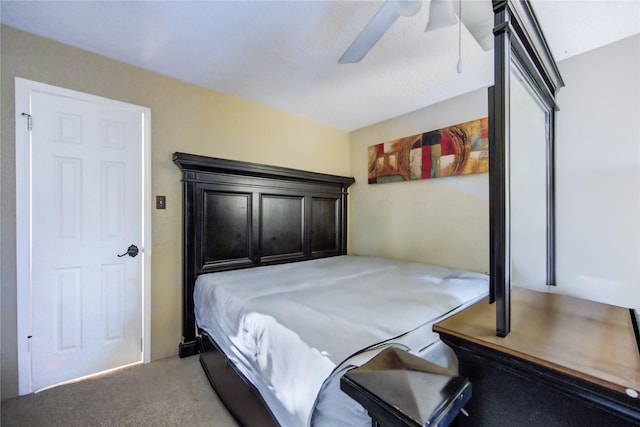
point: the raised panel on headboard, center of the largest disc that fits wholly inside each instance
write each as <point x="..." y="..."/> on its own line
<point x="225" y="228"/>
<point x="242" y="215"/>
<point x="325" y="221"/>
<point x="281" y="227"/>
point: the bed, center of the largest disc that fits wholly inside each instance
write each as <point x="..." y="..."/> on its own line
<point x="277" y="308"/>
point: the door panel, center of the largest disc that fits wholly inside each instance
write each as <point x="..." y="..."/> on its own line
<point x="87" y="208"/>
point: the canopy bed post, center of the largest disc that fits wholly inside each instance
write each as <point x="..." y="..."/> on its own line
<point x="522" y="58"/>
<point x="498" y="193"/>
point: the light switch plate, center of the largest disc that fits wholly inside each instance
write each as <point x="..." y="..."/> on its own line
<point x="161" y="202"/>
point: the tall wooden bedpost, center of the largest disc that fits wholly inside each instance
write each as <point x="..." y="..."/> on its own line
<point x="188" y="344"/>
<point x="520" y="50"/>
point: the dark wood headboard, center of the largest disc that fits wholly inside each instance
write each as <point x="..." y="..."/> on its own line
<point x="242" y="215"/>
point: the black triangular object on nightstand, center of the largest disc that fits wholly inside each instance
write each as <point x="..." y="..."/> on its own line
<point x="400" y="389"/>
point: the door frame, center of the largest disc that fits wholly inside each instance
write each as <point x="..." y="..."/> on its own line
<point x="23" y="90"/>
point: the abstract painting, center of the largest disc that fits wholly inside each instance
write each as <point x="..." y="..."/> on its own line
<point x="455" y="150"/>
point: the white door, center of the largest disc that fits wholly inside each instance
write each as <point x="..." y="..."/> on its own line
<point x="87" y="210"/>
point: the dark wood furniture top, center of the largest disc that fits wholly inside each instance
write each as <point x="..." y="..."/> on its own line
<point x="591" y="341"/>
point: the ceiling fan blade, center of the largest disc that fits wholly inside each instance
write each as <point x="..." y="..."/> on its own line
<point x="375" y="29"/>
<point x="441" y="15"/>
<point x="478" y="19"/>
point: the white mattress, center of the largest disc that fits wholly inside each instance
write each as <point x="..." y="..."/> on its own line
<point x="292" y="329"/>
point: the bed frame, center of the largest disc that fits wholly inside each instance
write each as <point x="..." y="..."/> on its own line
<point x="243" y="215"/>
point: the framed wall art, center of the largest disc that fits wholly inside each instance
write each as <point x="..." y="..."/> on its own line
<point x="455" y="150"/>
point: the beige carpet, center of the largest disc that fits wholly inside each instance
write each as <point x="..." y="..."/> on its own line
<point x="168" y="392"/>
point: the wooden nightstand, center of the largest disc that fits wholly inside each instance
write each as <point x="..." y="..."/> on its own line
<point x="566" y="362"/>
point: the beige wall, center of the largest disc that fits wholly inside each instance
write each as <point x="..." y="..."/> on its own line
<point x="442" y="221"/>
<point x="184" y="118"/>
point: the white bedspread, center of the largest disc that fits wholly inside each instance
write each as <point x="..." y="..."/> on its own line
<point x="287" y="327"/>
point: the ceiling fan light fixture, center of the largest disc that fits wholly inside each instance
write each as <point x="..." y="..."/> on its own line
<point x="441" y="15"/>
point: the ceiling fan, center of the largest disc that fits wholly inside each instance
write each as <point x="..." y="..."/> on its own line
<point x="478" y="20"/>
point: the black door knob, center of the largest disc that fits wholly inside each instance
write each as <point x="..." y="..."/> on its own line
<point x="132" y="251"/>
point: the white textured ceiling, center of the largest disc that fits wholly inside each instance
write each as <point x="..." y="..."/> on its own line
<point x="284" y="54"/>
